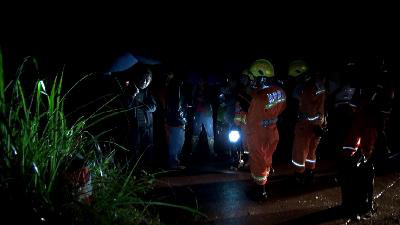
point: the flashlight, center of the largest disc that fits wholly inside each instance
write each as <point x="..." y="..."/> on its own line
<point x="234" y="136"/>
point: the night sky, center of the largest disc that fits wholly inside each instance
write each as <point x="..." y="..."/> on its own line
<point x="203" y="42"/>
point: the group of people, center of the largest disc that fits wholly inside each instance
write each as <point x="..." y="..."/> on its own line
<point x="360" y="116"/>
<point x="261" y="105"/>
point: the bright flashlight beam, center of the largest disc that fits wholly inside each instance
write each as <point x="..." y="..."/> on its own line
<point x="234" y="136"/>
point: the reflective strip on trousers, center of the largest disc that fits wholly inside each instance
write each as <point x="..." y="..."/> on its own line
<point x="259" y="178"/>
<point x="349" y="148"/>
<point x="313" y="118"/>
<point x="298" y="164"/>
<point x="310" y="161"/>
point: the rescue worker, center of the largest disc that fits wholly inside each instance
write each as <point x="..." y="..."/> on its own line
<point x="357" y="166"/>
<point x="308" y="130"/>
<point x="296" y="71"/>
<point x="344" y="94"/>
<point x="268" y="102"/>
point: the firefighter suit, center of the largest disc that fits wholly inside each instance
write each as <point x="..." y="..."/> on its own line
<point x="356" y="168"/>
<point x="310" y="117"/>
<point x="267" y="103"/>
<point x="262" y="132"/>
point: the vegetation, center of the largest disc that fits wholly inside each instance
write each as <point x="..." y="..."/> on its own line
<point x="45" y="159"/>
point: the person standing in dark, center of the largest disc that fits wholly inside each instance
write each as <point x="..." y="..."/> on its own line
<point x="267" y="103"/>
<point x="356" y="167"/>
<point x="344" y="94"/>
<point x="203" y="116"/>
<point x="298" y="71"/>
<point x="172" y="105"/>
<point x="385" y="94"/>
<point x="308" y="130"/>
<point x="140" y="106"/>
<point x="242" y="103"/>
<point x="225" y="112"/>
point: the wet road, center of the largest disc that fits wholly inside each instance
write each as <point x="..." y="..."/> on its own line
<point x="220" y="194"/>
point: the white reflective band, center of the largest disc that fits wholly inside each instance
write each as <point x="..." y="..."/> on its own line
<point x="386" y="112"/>
<point x="352" y="105"/>
<point x="351" y="148"/>
<point x="297" y="164"/>
<point x="259" y="178"/>
<point x="310" y="161"/>
<point x="313" y="118"/>
<point x="345" y="103"/>
<point x="373" y="97"/>
<point x="319" y="92"/>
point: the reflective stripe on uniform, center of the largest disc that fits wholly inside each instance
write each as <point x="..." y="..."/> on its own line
<point x="306" y="116"/>
<point x="313" y="118"/>
<point x="345" y="103"/>
<point x="310" y="161"/>
<point x="350" y="148"/>
<point x="238" y="117"/>
<point x="298" y="164"/>
<point x="268" y="122"/>
<point x="259" y="178"/>
<point x="353" y="149"/>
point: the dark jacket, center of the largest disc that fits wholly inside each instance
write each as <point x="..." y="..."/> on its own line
<point x="175" y="112"/>
<point x="141" y="109"/>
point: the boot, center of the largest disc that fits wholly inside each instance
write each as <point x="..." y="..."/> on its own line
<point x="299" y="179"/>
<point x="349" y="188"/>
<point x="257" y="193"/>
<point x="367" y="203"/>
<point x="308" y="176"/>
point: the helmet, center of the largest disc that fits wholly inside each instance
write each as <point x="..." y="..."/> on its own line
<point x="261" y="68"/>
<point x="297" y="68"/>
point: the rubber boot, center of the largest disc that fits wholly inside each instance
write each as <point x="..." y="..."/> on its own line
<point x="299" y="179"/>
<point x="258" y="193"/>
<point x="308" y="176"/>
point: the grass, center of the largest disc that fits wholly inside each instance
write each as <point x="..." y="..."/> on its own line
<point x="38" y="150"/>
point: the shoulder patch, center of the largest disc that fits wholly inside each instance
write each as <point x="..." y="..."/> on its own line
<point x="274" y="98"/>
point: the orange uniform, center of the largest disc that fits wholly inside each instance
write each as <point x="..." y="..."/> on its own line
<point x="261" y="130"/>
<point x="362" y="135"/>
<point x="310" y="117"/>
<point x="356" y="171"/>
